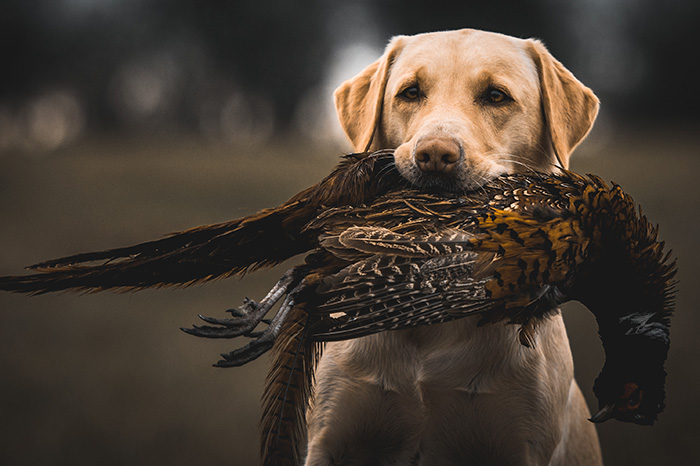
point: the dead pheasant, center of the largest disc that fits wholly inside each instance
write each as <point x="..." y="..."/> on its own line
<point x="515" y="250"/>
<point x="386" y="256"/>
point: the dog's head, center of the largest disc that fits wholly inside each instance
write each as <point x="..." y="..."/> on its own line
<point x="463" y="107"/>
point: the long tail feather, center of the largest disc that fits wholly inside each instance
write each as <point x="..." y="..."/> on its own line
<point x="180" y="241"/>
<point x="192" y="256"/>
<point x="288" y="389"/>
<point x="215" y="251"/>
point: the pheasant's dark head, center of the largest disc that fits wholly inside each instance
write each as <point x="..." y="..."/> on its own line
<point x="628" y="284"/>
<point x="630" y="387"/>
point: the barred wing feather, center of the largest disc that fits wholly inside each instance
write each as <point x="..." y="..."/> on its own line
<point x="407" y="281"/>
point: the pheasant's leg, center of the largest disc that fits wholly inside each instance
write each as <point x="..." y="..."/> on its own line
<point x="264" y="341"/>
<point x="247" y="316"/>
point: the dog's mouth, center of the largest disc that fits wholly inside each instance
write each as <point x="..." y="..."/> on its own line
<point x="444" y="185"/>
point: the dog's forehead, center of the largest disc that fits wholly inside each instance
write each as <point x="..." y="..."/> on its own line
<point x="469" y="53"/>
<point x="465" y="40"/>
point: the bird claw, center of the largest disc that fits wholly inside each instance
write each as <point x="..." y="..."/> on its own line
<point x="247" y="317"/>
<point x="247" y="353"/>
<point x="225" y="328"/>
<point x="225" y="322"/>
<point x="207" y="331"/>
<point x="604" y="413"/>
<point x="246" y="308"/>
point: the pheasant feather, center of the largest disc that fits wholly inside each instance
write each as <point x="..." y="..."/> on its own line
<point x="386" y="256"/>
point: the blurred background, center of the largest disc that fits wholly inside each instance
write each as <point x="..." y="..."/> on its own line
<point x="123" y="120"/>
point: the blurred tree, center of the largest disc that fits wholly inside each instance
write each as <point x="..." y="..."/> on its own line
<point x="639" y="56"/>
<point x="271" y="47"/>
<point x="648" y="48"/>
<point x="524" y="18"/>
<point x="667" y="33"/>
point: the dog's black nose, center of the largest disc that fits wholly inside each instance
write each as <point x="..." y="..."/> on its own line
<point x="439" y="155"/>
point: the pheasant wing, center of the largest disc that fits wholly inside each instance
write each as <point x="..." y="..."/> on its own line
<point x="403" y="281"/>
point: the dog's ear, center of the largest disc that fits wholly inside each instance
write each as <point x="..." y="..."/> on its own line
<point x="570" y="108"/>
<point x="359" y="100"/>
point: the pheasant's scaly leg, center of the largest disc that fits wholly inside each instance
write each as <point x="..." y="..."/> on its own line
<point x="265" y="339"/>
<point x="247" y="316"/>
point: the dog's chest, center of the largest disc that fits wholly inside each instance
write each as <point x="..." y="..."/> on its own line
<point x="455" y="356"/>
<point x="452" y="390"/>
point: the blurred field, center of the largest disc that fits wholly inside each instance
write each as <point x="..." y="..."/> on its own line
<point x="109" y="379"/>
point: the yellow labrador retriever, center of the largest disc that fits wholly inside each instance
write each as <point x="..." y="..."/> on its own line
<point x="460" y="108"/>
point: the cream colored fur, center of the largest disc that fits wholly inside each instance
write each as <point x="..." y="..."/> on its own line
<point x="455" y="393"/>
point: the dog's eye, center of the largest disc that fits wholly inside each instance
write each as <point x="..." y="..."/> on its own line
<point x="410" y="93"/>
<point x="496" y="96"/>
